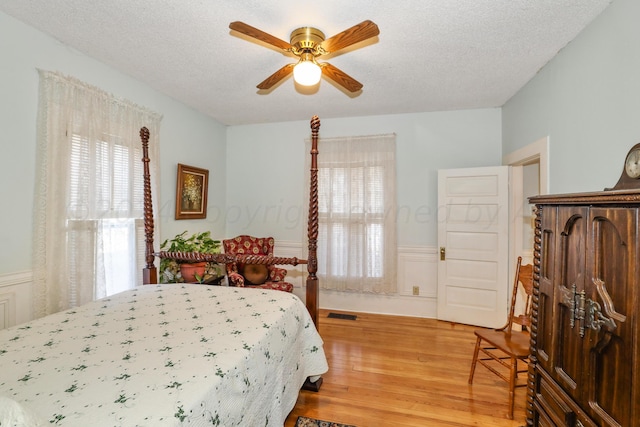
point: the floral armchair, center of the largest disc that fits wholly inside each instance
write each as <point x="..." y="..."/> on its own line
<point x="250" y="275"/>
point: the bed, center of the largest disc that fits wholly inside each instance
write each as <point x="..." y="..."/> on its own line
<point x="150" y="272"/>
<point x="169" y="354"/>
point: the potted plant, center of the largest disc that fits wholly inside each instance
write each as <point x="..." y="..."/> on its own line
<point x="172" y="271"/>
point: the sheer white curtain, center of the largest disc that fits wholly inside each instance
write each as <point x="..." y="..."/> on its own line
<point x="357" y="213"/>
<point x="88" y="207"/>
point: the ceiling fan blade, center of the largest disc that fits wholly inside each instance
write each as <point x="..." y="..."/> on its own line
<point x="250" y="31"/>
<point x="341" y="78"/>
<point x="363" y="31"/>
<point x="274" y="78"/>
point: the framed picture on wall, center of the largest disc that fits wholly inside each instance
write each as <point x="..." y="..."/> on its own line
<point x="191" y="192"/>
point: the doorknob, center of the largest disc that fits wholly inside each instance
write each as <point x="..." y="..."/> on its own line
<point x="442" y="253"/>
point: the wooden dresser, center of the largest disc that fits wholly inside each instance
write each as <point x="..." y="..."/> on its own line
<point x="585" y="335"/>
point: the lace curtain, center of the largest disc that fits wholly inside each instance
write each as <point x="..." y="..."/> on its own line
<point x="357" y="248"/>
<point x="88" y="207"/>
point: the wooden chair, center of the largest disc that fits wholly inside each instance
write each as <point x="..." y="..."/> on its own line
<point x="505" y="348"/>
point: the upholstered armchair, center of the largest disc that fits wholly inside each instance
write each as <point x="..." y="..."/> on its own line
<point x="254" y="275"/>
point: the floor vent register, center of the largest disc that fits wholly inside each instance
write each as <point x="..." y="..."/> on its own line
<point x="342" y="316"/>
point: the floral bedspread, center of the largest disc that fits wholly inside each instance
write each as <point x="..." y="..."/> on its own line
<point x="164" y="355"/>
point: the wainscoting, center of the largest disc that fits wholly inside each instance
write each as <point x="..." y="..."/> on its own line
<point x="417" y="269"/>
<point x="15" y="299"/>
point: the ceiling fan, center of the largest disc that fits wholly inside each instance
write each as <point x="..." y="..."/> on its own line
<point x="308" y="44"/>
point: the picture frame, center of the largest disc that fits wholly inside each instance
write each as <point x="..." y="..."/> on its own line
<point x="191" y="192"/>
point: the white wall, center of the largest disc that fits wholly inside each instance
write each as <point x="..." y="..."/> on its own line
<point x="257" y="172"/>
<point x="186" y="136"/>
<point x="266" y="185"/>
<point x="587" y="100"/>
<point x="266" y="181"/>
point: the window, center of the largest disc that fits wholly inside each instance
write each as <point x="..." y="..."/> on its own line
<point x="89" y="231"/>
<point x="105" y="210"/>
<point x="356" y="214"/>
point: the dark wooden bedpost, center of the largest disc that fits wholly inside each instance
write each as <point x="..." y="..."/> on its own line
<point x="149" y="272"/>
<point x="312" y="234"/>
<point x="313" y="294"/>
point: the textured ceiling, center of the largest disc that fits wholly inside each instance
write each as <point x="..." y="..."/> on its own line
<point x="431" y="55"/>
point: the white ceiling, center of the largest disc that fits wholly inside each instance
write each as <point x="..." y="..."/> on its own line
<point x="431" y="55"/>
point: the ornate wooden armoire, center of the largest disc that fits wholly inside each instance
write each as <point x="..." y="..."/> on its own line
<point x="585" y="334"/>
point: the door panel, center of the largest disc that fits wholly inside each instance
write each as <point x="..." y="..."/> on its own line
<point x="570" y="248"/>
<point x="611" y="347"/>
<point x="545" y="346"/>
<point x="473" y="233"/>
<point x="472" y="245"/>
<point x="593" y="340"/>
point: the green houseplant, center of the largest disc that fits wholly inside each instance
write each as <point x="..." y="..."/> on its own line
<point x="174" y="271"/>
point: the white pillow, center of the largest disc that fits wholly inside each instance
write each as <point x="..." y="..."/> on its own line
<point x="13" y="414"/>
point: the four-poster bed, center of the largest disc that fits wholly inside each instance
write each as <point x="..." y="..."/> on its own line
<point x="169" y="354"/>
<point x="150" y="272"/>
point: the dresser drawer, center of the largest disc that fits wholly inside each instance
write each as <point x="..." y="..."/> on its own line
<point x="551" y="401"/>
<point x="555" y="407"/>
<point x="541" y="419"/>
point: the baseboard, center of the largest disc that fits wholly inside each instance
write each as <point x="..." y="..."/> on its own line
<point x="417" y="284"/>
<point x="397" y="305"/>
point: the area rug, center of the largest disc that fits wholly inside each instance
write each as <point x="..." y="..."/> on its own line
<point x="312" y="422"/>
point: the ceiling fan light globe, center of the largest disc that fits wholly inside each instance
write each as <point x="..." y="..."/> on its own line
<point x="307" y="73"/>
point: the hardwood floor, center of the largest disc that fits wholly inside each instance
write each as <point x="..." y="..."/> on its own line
<point x="404" y="371"/>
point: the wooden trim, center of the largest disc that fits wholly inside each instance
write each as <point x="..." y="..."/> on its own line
<point x="536" y="151"/>
<point x="313" y="288"/>
<point x="13" y="279"/>
<point x="535" y="304"/>
<point x="149" y="272"/>
<point x="600" y="197"/>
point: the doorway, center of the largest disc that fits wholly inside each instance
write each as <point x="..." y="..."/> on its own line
<point x="530" y="177"/>
<point x="473" y="237"/>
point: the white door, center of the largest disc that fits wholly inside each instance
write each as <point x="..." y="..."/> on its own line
<point x="473" y="239"/>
